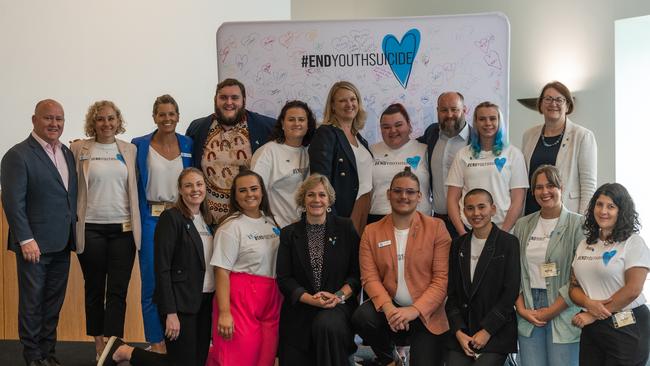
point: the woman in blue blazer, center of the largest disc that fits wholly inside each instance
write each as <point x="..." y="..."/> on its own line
<point x="161" y="156"/>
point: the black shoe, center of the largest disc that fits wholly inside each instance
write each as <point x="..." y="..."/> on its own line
<point x="106" y="359"/>
<point x="51" y="361"/>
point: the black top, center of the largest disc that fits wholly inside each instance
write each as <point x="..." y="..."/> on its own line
<point x="541" y="155"/>
<point x="295" y="274"/>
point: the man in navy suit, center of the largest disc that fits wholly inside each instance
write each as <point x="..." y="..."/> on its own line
<point x="39" y="195"/>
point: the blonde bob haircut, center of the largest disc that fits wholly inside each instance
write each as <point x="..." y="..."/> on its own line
<point x="93" y="110"/>
<point x="311" y="182"/>
<point x="328" y="114"/>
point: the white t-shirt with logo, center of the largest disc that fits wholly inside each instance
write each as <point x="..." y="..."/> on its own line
<point x="600" y="267"/>
<point x="536" y="251"/>
<point x="402" y="294"/>
<point x="496" y="174"/>
<point x="283" y="169"/>
<point x="247" y="245"/>
<point x="388" y="162"/>
<point x="208" y="249"/>
<point x="107" y="197"/>
<point x="476" y="249"/>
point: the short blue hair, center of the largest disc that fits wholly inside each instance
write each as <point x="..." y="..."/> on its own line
<point x="500" y="139"/>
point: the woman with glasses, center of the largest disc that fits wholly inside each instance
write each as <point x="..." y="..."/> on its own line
<point x="560" y="142"/>
<point x="488" y="162"/>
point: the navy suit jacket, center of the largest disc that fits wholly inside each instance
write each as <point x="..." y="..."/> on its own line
<point x="430" y="137"/>
<point x="35" y="200"/>
<point x="259" y="127"/>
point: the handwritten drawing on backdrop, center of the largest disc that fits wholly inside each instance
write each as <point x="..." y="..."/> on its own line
<point x="406" y="60"/>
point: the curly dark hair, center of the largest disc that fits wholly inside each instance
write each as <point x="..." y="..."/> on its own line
<point x="277" y="134"/>
<point x="627" y="222"/>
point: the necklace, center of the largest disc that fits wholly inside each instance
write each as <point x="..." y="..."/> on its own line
<point x="559" y="138"/>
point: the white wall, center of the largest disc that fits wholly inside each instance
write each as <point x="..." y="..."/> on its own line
<point x="571" y="41"/>
<point x="81" y="51"/>
<point x="633" y="127"/>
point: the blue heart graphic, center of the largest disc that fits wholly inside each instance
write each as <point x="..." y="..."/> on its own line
<point x="607" y="256"/>
<point x="401" y="54"/>
<point x="276" y="231"/>
<point x="500" y="163"/>
<point x="413" y="161"/>
<point x="120" y="158"/>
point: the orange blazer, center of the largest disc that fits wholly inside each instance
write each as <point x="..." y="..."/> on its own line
<point x="426" y="266"/>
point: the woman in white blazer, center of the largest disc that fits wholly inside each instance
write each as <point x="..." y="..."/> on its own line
<point x="560" y="142"/>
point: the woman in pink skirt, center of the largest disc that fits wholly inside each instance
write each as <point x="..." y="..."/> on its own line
<point x="247" y="304"/>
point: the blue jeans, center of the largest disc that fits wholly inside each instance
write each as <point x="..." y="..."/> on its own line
<point x="539" y="349"/>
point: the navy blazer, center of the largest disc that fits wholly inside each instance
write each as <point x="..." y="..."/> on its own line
<point x="259" y="127"/>
<point x="35" y="200"/>
<point x="331" y="155"/>
<point x="430" y="137"/>
<point x="179" y="264"/>
<point x="295" y="276"/>
<point x="488" y="302"/>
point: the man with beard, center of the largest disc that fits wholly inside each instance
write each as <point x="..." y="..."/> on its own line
<point x="444" y="139"/>
<point x="226" y="140"/>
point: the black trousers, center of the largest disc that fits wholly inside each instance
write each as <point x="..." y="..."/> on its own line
<point x="426" y="347"/>
<point x="456" y="358"/>
<point x="332" y="341"/>
<point x="449" y="225"/>
<point x="191" y="346"/>
<point x="602" y="344"/>
<point x="106" y="263"/>
<point x="41" y="291"/>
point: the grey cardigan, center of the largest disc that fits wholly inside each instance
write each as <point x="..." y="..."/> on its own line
<point x="561" y="249"/>
<point x="576" y="161"/>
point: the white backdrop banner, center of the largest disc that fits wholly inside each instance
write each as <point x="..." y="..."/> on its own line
<point x="406" y="60"/>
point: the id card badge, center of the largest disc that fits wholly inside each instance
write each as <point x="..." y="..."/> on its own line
<point x="384" y="243"/>
<point x="549" y="270"/>
<point x="623" y="318"/>
<point x="126" y="226"/>
<point x="157" y="209"/>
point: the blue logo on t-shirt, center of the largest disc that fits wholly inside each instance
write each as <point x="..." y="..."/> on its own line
<point x="607" y="256"/>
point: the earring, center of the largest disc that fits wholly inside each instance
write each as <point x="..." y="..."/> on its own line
<point x="329" y="209"/>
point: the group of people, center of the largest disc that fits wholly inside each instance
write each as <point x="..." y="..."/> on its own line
<point x="257" y="238"/>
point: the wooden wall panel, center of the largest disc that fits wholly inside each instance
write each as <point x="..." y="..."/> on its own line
<point x="72" y="325"/>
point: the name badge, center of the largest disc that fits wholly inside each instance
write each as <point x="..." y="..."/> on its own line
<point x="549" y="270"/>
<point x="157" y="209"/>
<point x="126" y="226"/>
<point x="84" y="157"/>
<point x="384" y="243"/>
<point x="623" y="318"/>
<point x="186" y="155"/>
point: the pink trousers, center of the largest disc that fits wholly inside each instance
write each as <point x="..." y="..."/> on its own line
<point x="255" y="303"/>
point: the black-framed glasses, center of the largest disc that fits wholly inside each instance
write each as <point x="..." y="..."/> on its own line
<point x="409" y="191"/>
<point x="557" y="100"/>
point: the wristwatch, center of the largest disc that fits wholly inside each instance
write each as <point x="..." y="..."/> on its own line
<point x="341" y="295"/>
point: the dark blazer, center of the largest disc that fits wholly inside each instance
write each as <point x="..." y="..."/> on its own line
<point x="295" y="276"/>
<point x="488" y="301"/>
<point x="259" y="127"/>
<point x="430" y="137"/>
<point x="35" y="200"/>
<point x="179" y="264"/>
<point x="331" y="155"/>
